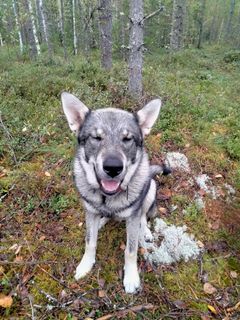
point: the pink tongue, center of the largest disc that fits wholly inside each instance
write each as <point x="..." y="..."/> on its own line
<point x="110" y="186"/>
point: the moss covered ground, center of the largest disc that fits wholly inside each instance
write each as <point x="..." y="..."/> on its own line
<point x="41" y="217"/>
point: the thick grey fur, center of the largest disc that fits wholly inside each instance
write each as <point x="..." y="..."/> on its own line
<point x="103" y="133"/>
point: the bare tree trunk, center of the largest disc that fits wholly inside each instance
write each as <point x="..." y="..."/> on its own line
<point x="18" y="25"/>
<point x="75" y="49"/>
<point x="34" y="27"/>
<point x="229" y="23"/>
<point x="122" y="24"/>
<point x="1" y="40"/>
<point x="178" y="15"/>
<point x="135" y="48"/>
<point x="220" y="32"/>
<point x="105" y="26"/>
<point x="45" y="27"/>
<point x="61" y="25"/>
<point x="200" y="22"/>
<point x="31" y="32"/>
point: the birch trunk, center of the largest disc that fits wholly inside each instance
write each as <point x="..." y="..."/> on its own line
<point x="45" y="27"/>
<point x="105" y="26"/>
<point x="200" y="22"/>
<point x="176" y="39"/>
<point x="135" y="48"/>
<point x="1" y="40"/>
<point x="61" y="26"/>
<point x="75" y="49"/>
<point x="14" y="4"/>
<point x="229" y="23"/>
<point x="34" y="27"/>
<point x="31" y="33"/>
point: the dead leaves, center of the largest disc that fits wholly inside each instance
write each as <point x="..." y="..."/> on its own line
<point x="5" y="301"/>
<point x="164" y="194"/>
<point x="208" y="288"/>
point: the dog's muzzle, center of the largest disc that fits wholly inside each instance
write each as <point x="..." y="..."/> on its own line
<point x="113" y="167"/>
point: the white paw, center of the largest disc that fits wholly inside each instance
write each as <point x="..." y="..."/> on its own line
<point x="131" y="281"/>
<point x="147" y="234"/>
<point x="84" y="267"/>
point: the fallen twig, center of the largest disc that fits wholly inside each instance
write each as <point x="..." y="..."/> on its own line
<point x="53" y="277"/>
<point x="123" y="313"/>
<point x="31" y="305"/>
<point x="5" y="262"/>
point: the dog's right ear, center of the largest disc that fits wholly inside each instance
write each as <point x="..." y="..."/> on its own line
<point x="74" y="110"/>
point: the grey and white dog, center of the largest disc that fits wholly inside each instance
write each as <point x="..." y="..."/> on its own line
<point x="113" y="175"/>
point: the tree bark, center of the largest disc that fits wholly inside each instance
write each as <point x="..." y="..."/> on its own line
<point x="1" y="40"/>
<point x="105" y="26"/>
<point x="18" y="25"/>
<point x="178" y="15"/>
<point x="229" y="23"/>
<point x="46" y="32"/>
<point x="62" y="27"/>
<point x="122" y="25"/>
<point x="75" y="49"/>
<point x="135" y="49"/>
<point x="200" y="22"/>
<point x="34" y="27"/>
<point x="31" y="32"/>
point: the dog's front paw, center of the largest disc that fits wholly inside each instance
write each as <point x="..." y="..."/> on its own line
<point x="131" y="281"/>
<point x="84" y="267"/>
<point x="146" y="234"/>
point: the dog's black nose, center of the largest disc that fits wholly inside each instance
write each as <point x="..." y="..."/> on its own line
<point x="113" y="166"/>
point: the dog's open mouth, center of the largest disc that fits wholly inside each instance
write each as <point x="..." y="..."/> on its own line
<point x="110" y="186"/>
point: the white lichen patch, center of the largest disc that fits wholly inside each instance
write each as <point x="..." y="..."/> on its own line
<point x="176" y="244"/>
<point x="205" y="183"/>
<point x="230" y="190"/>
<point x="177" y="161"/>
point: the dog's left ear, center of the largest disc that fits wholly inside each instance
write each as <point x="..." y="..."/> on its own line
<point x="148" y="115"/>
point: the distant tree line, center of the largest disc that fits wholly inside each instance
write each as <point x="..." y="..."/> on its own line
<point x="117" y="27"/>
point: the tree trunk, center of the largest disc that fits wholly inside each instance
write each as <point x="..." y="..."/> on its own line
<point x="135" y="48"/>
<point x="105" y="26"/>
<point x="122" y="24"/>
<point x="1" y="40"/>
<point x="229" y="23"/>
<point x="34" y="27"/>
<point x="178" y="15"/>
<point x="31" y="32"/>
<point x="200" y="22"/>
<point x="75" y="49"/>
<point x="45" y="27"/>
<point x="18" y="25"/>
<point x="61" y="27"/>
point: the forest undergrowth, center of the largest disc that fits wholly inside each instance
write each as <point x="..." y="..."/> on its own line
<point x="41" y="218"/>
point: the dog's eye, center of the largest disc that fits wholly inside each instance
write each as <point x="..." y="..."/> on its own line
<point x="127" y="139"/>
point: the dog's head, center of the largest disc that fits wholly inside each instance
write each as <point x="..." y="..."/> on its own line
<point x="110" y="141"/>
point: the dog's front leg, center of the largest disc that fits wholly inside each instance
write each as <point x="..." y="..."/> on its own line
<point x="88" y="259"/>
<point x="131" y="279"/>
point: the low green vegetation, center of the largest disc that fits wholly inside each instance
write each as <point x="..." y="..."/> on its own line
<point x="40" y="209"/>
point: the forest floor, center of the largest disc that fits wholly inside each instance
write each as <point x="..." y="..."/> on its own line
<point x="41" y="217"/>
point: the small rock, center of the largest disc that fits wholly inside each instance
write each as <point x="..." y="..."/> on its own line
<point x="177" y="161"/>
